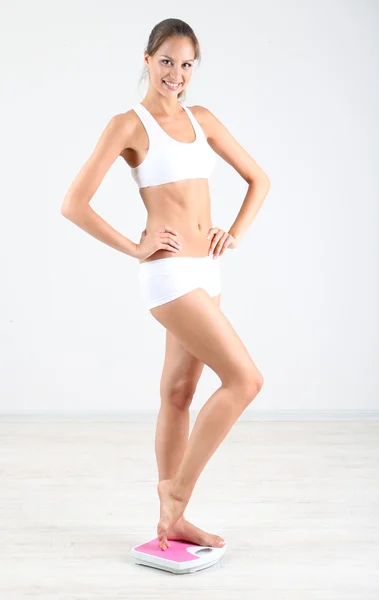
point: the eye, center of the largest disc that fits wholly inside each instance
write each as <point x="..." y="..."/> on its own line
<point x="167" y="60"/>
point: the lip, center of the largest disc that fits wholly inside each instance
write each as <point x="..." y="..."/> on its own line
<point x="174" y="82"/>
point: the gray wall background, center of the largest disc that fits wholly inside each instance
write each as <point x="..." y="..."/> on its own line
<point x="297" y="86"/>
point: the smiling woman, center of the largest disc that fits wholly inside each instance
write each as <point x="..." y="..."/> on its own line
<point x="175" y="69"/>
<point x="171" y="149"/>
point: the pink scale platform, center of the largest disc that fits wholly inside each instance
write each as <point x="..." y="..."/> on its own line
<point x="182" y="557"/>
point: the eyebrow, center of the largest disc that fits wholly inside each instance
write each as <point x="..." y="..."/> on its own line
<point x="189" y="60"/>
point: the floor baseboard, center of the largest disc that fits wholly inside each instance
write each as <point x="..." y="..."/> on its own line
<point x="148" y="416"/>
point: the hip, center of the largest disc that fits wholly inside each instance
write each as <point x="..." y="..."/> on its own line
<point x="165" y="279"/>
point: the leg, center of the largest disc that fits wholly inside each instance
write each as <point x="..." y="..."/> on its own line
<point x="202" y="328"/>
<point x="180" y="376"/>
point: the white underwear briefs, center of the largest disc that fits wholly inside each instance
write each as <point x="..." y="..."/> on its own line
<point x="166" y="279"/>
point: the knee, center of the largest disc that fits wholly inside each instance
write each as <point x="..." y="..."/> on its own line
<point x="179" y="394"/>
<point x="250" y="383"/>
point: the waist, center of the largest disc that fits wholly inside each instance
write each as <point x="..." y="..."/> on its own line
<point x="187" y="210"/>
<point x="194" y="242"/>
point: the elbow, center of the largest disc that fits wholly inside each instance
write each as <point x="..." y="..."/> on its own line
<point x="262" y="181"/>
<point x="66" y="211"/>
<point x="70" y="207"/>
<point x="266" y="181"/>
<point x="66" y="206"/>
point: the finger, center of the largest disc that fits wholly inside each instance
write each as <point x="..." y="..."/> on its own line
<point x="220" y="244"/>
<point x="216" y="237"/>
<point x="172" y="241"/>
<point x="217" y="251"/>
<point x="166" y="229"/>
<point x="211" y="232"/>
<point x="170" y="230"/>
<point x="215" y="241"/>
<point x="225" y="246"/>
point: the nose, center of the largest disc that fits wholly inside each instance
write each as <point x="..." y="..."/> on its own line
<point x="175" y="74"/>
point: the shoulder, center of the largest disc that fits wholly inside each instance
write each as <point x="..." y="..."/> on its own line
<point x="201" y="112"/>
<point x="124" y="125"/>
<point x="207" y="120"/>
<point x="123" y="121"/>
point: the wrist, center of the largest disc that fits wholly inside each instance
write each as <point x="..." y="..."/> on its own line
<point x="237" y="236"/>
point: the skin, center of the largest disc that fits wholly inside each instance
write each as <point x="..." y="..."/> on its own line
<point x="185" y="208"/>
<point x="184" y="205"/>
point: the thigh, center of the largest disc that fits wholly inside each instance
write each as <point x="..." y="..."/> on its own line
<point x="199" y="324"/>
<point x="181" y="369"/>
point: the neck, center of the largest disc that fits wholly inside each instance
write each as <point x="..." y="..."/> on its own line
<point x="161" y="105"/>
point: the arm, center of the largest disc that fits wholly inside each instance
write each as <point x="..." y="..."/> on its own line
<point x="115" y="137"/>
<point x="226" y="146"/>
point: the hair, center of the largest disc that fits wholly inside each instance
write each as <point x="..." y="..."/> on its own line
<point x="166" y="29"/>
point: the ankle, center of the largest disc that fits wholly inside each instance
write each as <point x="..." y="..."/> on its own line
<point x="179" y="491"/>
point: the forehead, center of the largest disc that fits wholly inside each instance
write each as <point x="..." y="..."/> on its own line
<point x="178" y="48"/>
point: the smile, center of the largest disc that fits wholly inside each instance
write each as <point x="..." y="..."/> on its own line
<point x="172" y="85"/>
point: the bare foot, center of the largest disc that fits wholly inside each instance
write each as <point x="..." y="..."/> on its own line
<point x="186" y="531"/>
<point x="171" y="509"/>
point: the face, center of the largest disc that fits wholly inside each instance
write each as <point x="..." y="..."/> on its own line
<point x="173" y="62"/>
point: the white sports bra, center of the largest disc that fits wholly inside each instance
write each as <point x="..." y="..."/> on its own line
<point x="169" y="160"/>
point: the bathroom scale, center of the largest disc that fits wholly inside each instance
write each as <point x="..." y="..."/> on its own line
<point x="182" y="557"/>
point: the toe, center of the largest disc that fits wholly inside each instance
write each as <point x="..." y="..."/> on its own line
<point x="216" y="541"/>
<point x="162" y="538"/>
<point x="188" y="531"/>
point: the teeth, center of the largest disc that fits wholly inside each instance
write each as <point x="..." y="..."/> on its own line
<point x="173" y="85"/>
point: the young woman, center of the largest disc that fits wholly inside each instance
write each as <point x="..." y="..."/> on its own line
<point x="170" y="149"/>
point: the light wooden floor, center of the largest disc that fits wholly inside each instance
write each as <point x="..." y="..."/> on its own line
<point x="298" y="503"/>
